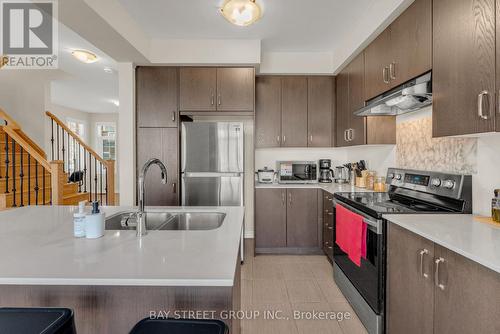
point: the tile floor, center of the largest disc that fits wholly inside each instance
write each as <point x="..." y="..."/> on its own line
<point x="293" y="285"/>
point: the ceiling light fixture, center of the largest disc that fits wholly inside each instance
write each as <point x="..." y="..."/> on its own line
<point x="241" y="12"/>
<point x="108" y="70"/>
<point x="84" y="56"/>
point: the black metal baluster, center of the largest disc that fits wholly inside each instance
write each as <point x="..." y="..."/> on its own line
<point x="63" y="151"/>
<point x="90" y="176"/>
<point x="100" y="181"/>
<point x="21" y="177"/>
<point x="14" y="204"/>
<point x="29" y="179"/>
<point x="43" y="185"/>
<point x="69" y="151"/>
<point x="95" y="178"/>
<point x="84" y="171"/>
<point x="79" y="167"/>
<point x="74" y="155"/>
<point x="57" y="141"/>
<point x="6" y="163"/>
<point x="52" y="137"/>
<point x="106" y="189"/>
<point x="36" y="183"/>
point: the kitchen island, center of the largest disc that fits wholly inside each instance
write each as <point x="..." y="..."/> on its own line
<point x="114" y="281"/>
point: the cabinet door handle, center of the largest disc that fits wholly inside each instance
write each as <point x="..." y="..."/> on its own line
<point x="345" y="135"/>
<point x="290" y="199"/>
<point x="173" y="116"/>
<point x="284" y="139"/>
<point x="330" y="228"/>
<point x="219" y="100"/>
<point x="392" y="70"/>
<point x="385" y="76"/>
<point x="212" y="100"/>
<point x="283" y="197"/>
<point x="330" y="213"/>
<point x="480" y="99"/>
<point x="174" y="187"/>
<point x="422" y="253"/>
<point x="436" y="274"/>
<point x="311" y="138"/>
<point x="278" y="139"/>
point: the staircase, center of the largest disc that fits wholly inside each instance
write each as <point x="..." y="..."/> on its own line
<point x="28" y="178"/>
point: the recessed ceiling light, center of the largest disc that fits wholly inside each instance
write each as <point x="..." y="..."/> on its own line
<point x="108" y="70"/>
<point x="241" y="12"/>
<point x="84" y="56"/>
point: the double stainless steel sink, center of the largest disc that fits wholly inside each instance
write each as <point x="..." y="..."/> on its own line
<point x="163" y="221"/>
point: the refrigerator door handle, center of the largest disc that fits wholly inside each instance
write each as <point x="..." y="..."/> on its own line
<point x="210" y="174"/>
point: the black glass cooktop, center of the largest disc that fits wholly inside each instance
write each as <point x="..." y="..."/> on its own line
<point x="378" y="204"/>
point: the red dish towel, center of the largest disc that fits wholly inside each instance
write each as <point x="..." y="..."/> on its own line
<point x="351" y="234"/>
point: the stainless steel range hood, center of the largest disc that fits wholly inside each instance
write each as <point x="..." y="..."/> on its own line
<point x="410" y="96"/>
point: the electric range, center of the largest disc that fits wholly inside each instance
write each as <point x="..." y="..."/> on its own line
<point x="409" y="192"/>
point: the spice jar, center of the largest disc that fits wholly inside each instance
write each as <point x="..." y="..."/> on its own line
<point x="370" y="180"/>
<point x="379" y="184"/>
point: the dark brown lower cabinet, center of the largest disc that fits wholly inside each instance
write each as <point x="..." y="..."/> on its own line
<point x="163" y="144"/>
<point x="431" y="289"/>
<point x="286" y="221"/>
<point x="328" y="214"/>
<point x="302" y="218"/>
<point x="270" y="218"/>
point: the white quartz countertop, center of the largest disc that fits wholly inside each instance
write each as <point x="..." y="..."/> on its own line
<point x="462" y="234"/>
<point x="332" y="188"/>
<point x="37" y="247"/>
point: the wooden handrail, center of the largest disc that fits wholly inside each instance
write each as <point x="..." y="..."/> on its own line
<point x="9" y="120"/>
<point x="76" y="137"/>
<point x="28" y="148"/>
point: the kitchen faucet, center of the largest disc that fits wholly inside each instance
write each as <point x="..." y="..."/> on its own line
<point x="141" y="216"/>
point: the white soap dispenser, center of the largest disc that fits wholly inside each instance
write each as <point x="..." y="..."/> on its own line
<point x="94" y="223"/>
<point x="79" y="221"/>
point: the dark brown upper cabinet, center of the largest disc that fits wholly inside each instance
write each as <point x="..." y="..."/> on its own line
<point x="268" y="112"/>
<point x="464" y="71"/>
<point x="157" y="91"/>
<point x="355" y="130"/>
<point x="401" y="52"/>
<point x="235" y="89"/>
<point x="217" y="89"/>
<point x="320" y="110"/>
<point x="294" y="111"/>
<point x="198" y="88"/>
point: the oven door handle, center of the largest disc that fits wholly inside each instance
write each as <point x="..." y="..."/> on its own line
<point x="373" y="224"/>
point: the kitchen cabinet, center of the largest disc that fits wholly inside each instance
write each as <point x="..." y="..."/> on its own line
<point x="235" y="89"/>
<point x="198" y="88"/>
<point x="464" y="56"/>
<point x="157" y="91"/>
<point x="328" y="214"/>
<point x="161" y="143"/>
<point x="355" y="130"/>
<point x="410" y="286"/>
<point x="270" y="218"/>
<point x="302" y="218"/>
<point x="320" y="109"/>
<point x="401" y="52"/>
<point x="217" y="89"/>
<point x="294" y="111"/>
<point x="431" y="289"/>
<point x="268" y="112"/>
<point x="286" y="221"/>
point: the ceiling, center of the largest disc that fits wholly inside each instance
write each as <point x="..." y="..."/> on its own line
<point x="286" y="25"/>
<point x="86" y="87"/>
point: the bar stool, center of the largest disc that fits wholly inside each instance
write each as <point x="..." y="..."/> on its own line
<point x="179" y="326"/>
<point x="35" y="320"/>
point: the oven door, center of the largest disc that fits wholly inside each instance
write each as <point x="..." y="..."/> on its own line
<point x="369" y="277"/>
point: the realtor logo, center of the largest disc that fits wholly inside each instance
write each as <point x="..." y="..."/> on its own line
<point x="29" y="34"/>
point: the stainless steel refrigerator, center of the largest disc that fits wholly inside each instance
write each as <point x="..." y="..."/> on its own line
<point x="212" y="164"/>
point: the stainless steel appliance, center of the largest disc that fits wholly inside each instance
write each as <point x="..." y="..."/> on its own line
<point x="297" y="172"/>
<point x="325" y="171"/>
<point x="342" y="174"/>
<point x="410" y="96"/>
<point x="265" y="175"/>
<point x="212" y="164"/>
<point x="410" y="192"/>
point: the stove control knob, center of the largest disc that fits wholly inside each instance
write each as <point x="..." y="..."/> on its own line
<point x="449" y="184"/>
<point x="436" y="182"/>
<point x="390" y="176"/>
<point x="397" y="176"/>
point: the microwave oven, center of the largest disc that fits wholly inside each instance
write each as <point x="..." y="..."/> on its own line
<point x="297" y="172"/>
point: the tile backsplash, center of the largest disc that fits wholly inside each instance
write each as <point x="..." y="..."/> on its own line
<point x="416" y="149"/>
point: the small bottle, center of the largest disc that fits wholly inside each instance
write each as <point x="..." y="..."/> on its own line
<point x="495" y="206"/>
<point x="79" y="221"/>
<point x="94" y="223"/>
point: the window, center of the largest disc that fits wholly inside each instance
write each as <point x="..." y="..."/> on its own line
<point x="77" y="127"/>
<point x="75" y="157"/>
<point x="106" y="135"/>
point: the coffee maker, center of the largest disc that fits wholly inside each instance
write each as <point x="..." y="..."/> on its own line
<point x="325" y="171"/>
